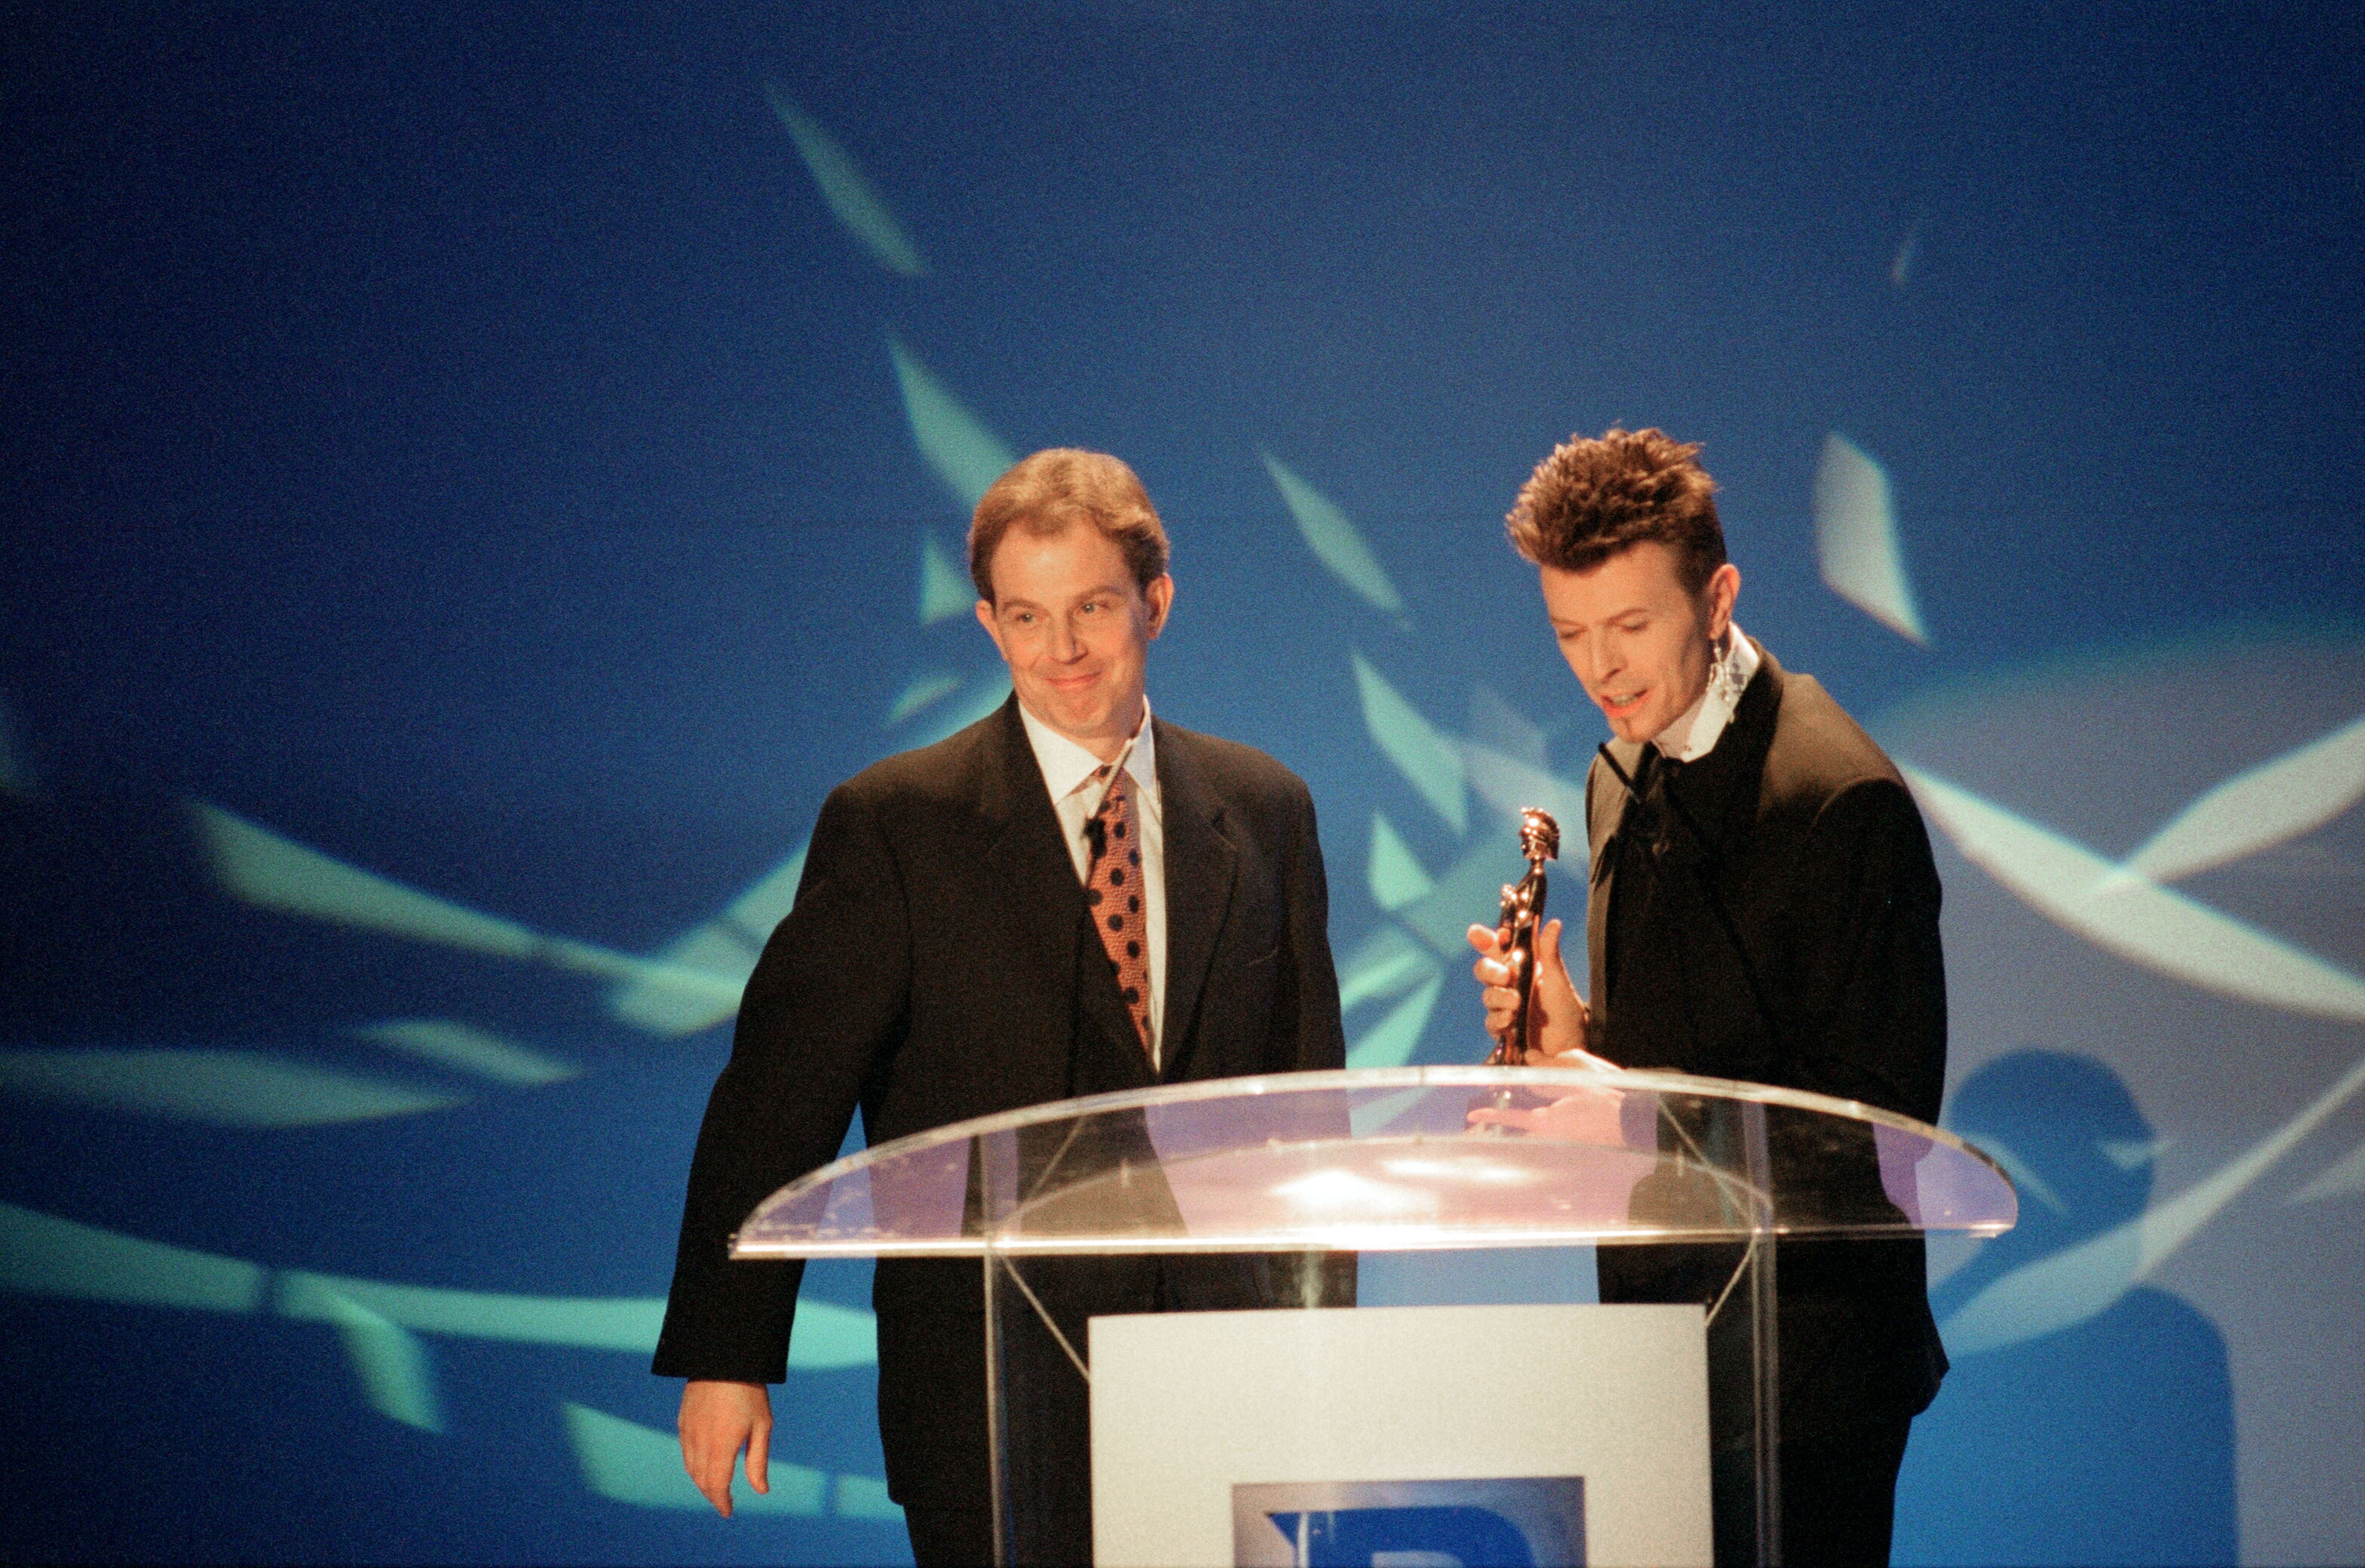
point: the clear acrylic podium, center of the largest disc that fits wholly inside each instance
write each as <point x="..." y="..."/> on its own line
<point x="1256" y="1196"/>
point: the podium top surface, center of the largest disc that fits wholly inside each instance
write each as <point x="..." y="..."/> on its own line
<point x="1392" y="1160"/>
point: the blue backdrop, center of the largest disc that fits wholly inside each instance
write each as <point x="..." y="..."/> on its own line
<point x="477" y="476"/>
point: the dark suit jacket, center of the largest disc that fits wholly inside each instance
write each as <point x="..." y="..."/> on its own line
<point x="1812" y="846"/>
<point x="940" y="965"/>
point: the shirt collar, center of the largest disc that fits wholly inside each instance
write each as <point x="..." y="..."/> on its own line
<point x="1068" y="766"/>
<point x="1695" y="735"/>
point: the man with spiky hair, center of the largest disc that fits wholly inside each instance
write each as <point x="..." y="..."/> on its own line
<point x="1763" y="907"/>
<point x="1069" y="897"/>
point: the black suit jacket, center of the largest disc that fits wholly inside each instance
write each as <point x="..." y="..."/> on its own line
<point x="939" y="965"/>
<point x="1810" y="842"/>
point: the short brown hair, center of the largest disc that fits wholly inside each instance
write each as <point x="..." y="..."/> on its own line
<point x="1591" y="499"/>
<point x="1050" y="490"/>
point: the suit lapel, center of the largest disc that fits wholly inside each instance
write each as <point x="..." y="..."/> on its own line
<point x="1744" y="746"/>
<point x="1605" y="801"/>
<point x="1201" y="861"/>
<point x="1040" y="904"/>
<point x="1722" y="788"/>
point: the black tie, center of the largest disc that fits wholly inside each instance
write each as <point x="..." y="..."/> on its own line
<point x="1653" y="776"/>
<point x="1646" y="770"/>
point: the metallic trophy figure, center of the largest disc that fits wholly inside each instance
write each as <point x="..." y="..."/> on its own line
<point x="1522" y="914"/>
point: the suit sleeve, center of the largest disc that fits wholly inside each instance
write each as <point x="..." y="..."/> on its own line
<point x="1312" y="1009"/>
<point x="823" y="1013"/>
<point x="1310" y="1278"/>
<point x="1870" y="1001"/>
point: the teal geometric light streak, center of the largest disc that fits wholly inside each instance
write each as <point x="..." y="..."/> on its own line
<point x="849" y="195"/>
<point x="965" y="454"/>
<point x="1336" y="541"/>
<point x="1429" y="762"/>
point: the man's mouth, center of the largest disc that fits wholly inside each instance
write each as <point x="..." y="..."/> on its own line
<point x="1622" y="704"/>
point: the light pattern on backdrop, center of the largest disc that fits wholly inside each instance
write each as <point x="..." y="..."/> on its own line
<point x="1856" y="539"/>
<point x="2122" y="908"/>
<point x="845" y="190"/>
<point x="1392" y="978"/>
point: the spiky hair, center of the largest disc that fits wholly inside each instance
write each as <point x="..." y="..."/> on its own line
<point x="1592" y="498"/>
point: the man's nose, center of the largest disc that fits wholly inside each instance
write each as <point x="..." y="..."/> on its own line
<point x="1065" y="643"/>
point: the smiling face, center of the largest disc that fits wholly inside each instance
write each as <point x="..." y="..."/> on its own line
<point x="1075" y="629"/>
<point x="1636" y="637"/>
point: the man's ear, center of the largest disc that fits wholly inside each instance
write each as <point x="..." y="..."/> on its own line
<point x="1160" y="596"/>
<point x="985" y="617"/>
<point x="1723" y="589"/>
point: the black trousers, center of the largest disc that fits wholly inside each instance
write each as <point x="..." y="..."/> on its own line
<point x="950" y="1538"/>
<point x="1839" y="1499"/>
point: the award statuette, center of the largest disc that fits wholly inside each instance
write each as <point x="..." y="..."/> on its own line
<point x="1514" y="927"/>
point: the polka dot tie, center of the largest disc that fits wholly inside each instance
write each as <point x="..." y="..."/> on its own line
<point x="1112" y="892"/>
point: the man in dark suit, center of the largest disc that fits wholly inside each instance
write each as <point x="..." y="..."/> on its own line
<point x="1763" y="907"/>
<point x="1068" y="897"/>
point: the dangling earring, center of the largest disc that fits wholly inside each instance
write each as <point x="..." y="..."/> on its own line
<point x="1721" y="677"/>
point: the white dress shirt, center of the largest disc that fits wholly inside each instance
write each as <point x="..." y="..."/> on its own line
<point x="1695" y="735"/>
<point x="1067" y="771"/>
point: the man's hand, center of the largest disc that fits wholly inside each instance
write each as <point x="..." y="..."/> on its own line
<point x="1559" y="1024"/>
<point x="717" y="1420"/>
<point x="1589" y="1116"/>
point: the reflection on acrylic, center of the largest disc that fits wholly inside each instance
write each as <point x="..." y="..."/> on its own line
<point x="2071" y="1285"/>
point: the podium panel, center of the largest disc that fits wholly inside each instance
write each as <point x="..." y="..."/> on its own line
<point x="1205" y="1236"/>
<point x="1401" y="1431"/>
